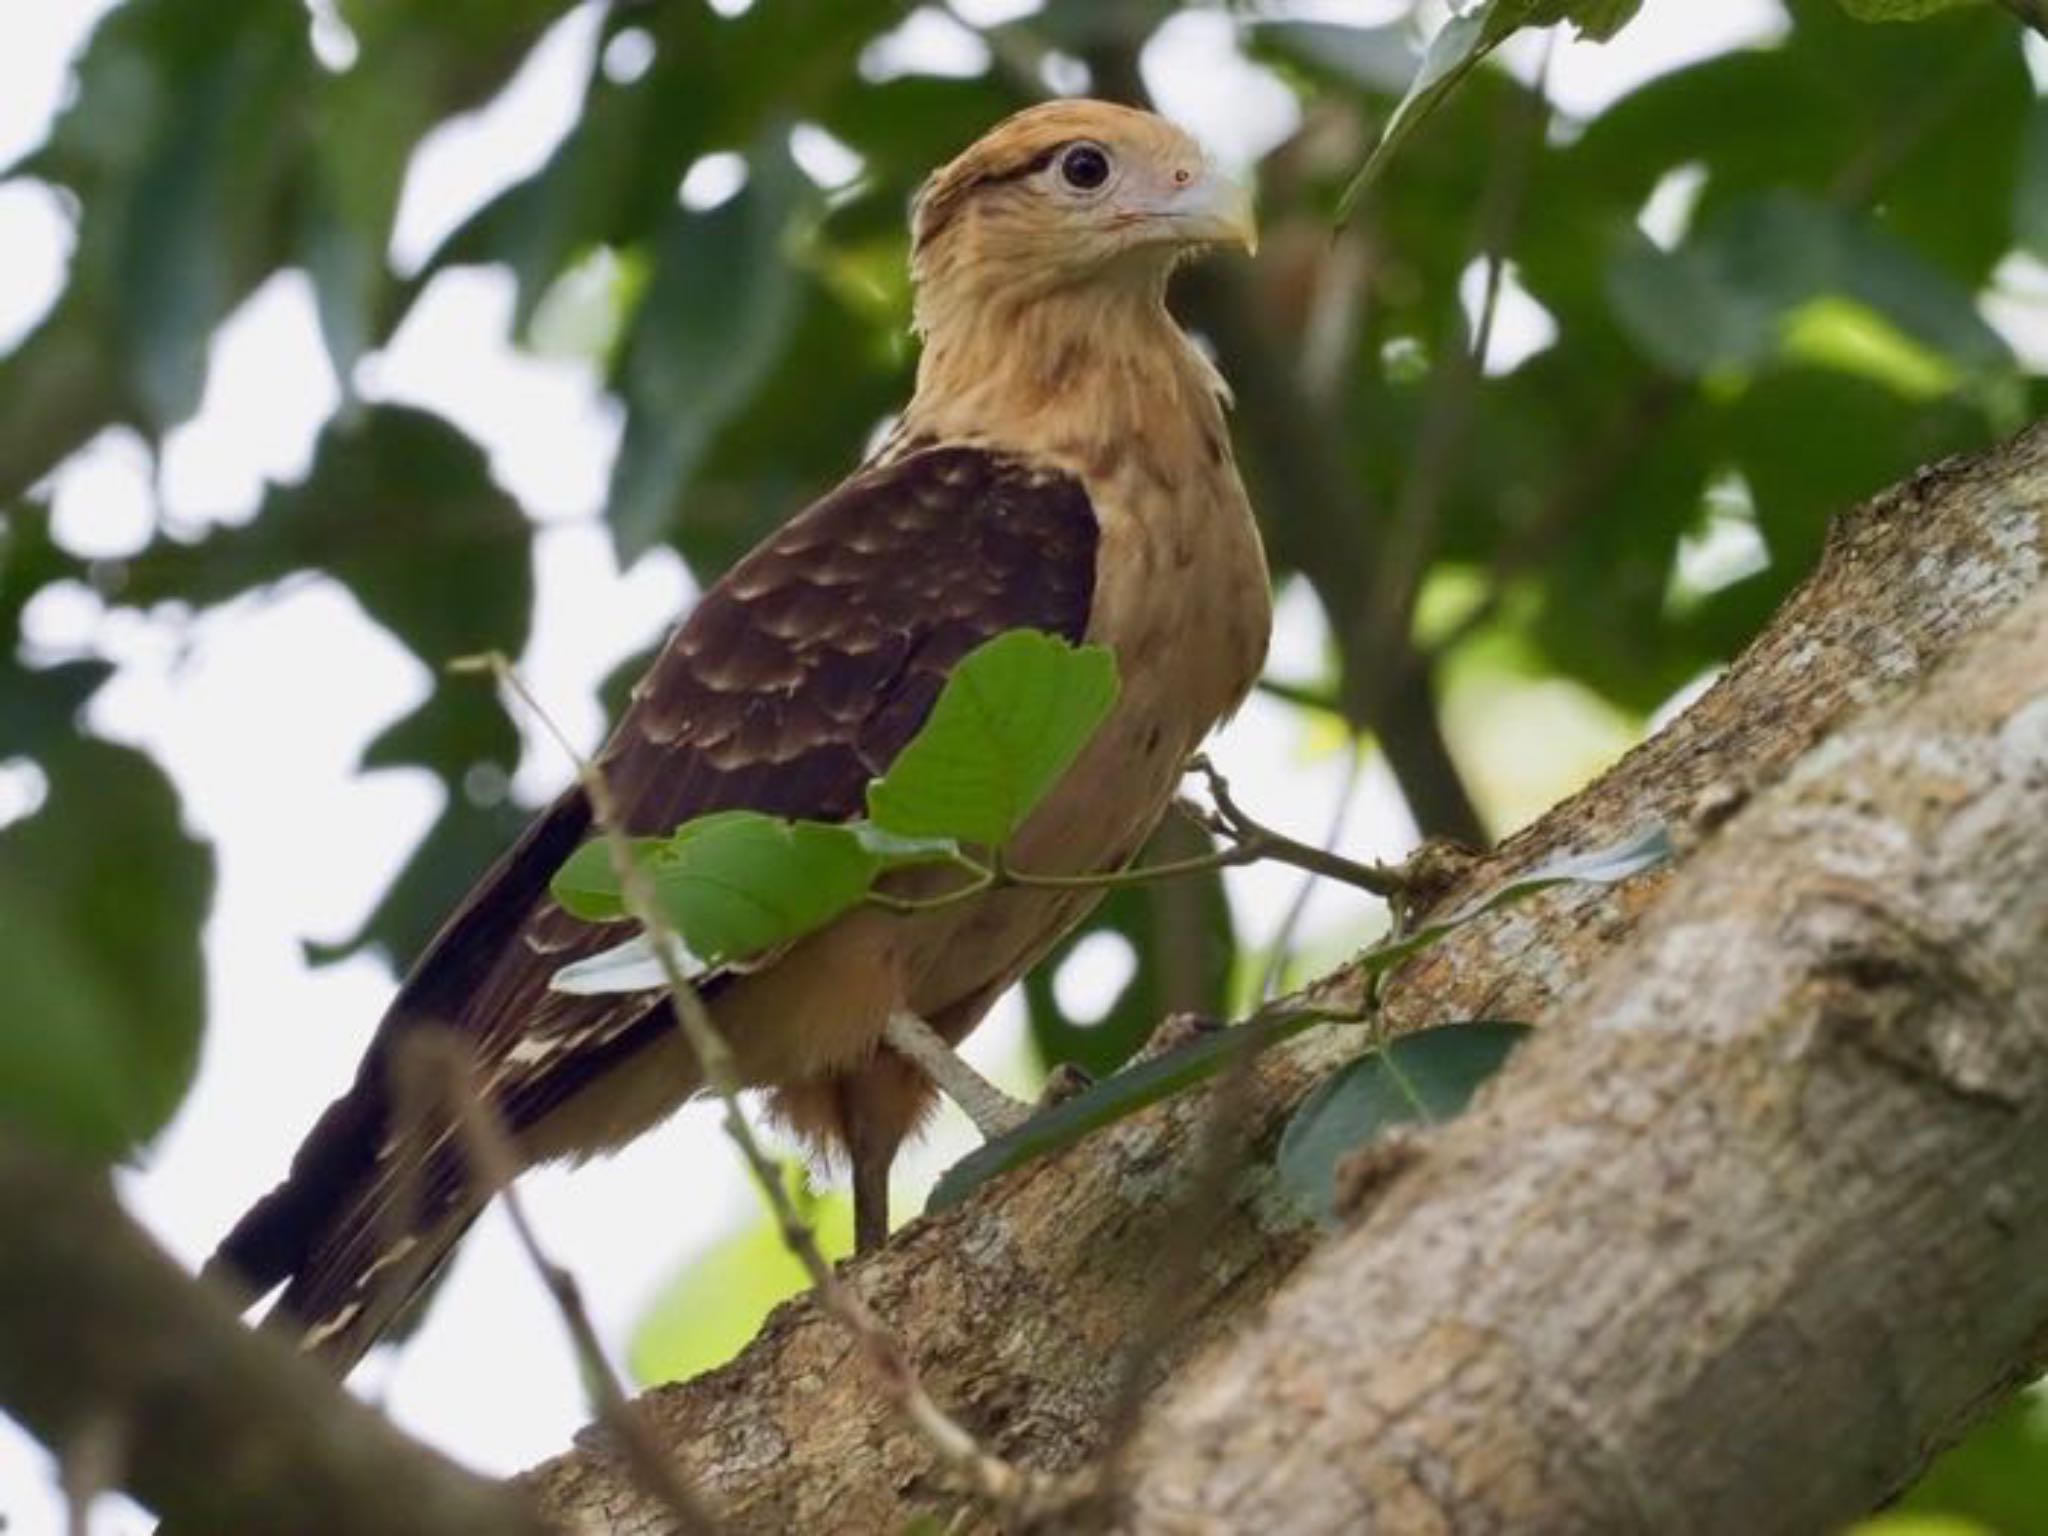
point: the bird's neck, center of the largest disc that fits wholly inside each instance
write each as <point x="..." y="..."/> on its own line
<point x="1063" y="370"/>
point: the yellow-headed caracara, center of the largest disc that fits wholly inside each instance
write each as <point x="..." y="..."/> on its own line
<point x="1063" y="466"/>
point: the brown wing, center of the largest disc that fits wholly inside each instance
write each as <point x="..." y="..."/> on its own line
<point x="794" y="681"/>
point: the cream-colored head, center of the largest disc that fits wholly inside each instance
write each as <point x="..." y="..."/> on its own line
<point x="1070" y="193"/>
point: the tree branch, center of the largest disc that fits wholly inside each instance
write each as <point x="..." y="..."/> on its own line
<point x="1016" y="1305"/>
<point x="1743" y="1234"/>
<point x="219" y="1428"/>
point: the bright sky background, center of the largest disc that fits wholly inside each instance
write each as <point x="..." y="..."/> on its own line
<point x="491" y="1379"/>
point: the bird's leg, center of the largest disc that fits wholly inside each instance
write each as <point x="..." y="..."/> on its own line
<point x="871" y="1197"/>
<point x="993" y="1111"/>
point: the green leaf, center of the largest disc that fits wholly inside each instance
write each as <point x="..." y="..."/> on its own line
<point x="718" y="313"/>
<point x="587" y="886"/>
<point x="735" y="883"/>
<point x="1459" y="45"/>
<point x="739" y="883"/>
<point x="1731" y="297"/>
<point x="101" y="899"/>
<point x="1012" y="718"/>
<point x="1636" y="854"/>
<point x="1426" y="1078"/>
<point x="1116" y="1098"/>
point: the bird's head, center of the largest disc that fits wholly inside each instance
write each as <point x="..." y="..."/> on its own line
<point x="1069" y="194"/>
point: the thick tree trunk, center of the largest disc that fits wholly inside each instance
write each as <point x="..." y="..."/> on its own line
<point x="1745" y="1231"/>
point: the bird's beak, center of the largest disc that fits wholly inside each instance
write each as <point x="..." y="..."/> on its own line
<point x="1214" y="209"/>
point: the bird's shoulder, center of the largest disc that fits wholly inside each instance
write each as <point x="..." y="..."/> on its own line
<point x="803" y="670"/>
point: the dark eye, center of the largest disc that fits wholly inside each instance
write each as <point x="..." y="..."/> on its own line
<point x="1085" y="166"/>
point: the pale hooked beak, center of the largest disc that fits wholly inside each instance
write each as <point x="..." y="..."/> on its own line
<point x="1213" y="209"/>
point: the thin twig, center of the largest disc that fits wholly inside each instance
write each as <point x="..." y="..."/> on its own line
<point x="1018" y="1490"/>
<point x="89" y="1465"/>
<point x="1283" y="937"/>
<point x="1251" y="842"/>
<point x="492" y="1159"/>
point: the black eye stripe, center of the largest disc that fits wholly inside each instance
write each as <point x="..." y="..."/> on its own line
<point x="1031" y="167"/>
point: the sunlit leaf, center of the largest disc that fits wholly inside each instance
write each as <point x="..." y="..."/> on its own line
<point x="1011" y="719"/>
<point x="1422" y="1078"/>
<point x="733" y="884"/>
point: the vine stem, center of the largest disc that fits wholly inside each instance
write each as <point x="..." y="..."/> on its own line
<point x="1020" y="1492"/>
<point x="1251" y="842"/>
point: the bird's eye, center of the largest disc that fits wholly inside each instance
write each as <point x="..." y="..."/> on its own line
<point x="1085" y="167"/>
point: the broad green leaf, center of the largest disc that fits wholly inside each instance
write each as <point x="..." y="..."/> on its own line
<point x="587" y="885"/>
<point x="1116" y="1098"/>
<point x="1164" y="1076"/>
<point x="1012" y="718"/>
<point x="1459" y="45"/>
<point x="733" y="884"/>
<point x="1634" y="855"/>
<point x="740" y="883"/>
<point x="101" y="900"/>
<point x="1426" y="1077"/>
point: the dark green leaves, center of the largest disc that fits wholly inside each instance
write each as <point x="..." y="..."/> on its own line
<point x="1728" y="298"/>
<point x="1458" y="46"/>
<point x="715" y="318"/>
<point x="1011" y="719"/>
<point x="100" y="896"/>
<point x="1421" y="1078"/>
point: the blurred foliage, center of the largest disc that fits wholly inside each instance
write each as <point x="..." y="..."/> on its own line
<point x="1754" y="284"/>
<point x="718" y="1302"/>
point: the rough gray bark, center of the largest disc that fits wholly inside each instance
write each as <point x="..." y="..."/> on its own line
<point x="1017" y="1307"/>
<point x="1740" y="1235"/>
<point x="105" y="1339"/>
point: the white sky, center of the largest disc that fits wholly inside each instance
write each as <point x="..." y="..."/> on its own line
<point x="490" y="1379"/>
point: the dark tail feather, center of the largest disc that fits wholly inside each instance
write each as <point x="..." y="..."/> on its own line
<point x="352" y="1238"/>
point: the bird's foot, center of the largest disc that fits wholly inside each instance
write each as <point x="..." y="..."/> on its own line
<point x="1065" y="1081"/>
<point x="994" y="1112"/>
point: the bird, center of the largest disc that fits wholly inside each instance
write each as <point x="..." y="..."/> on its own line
<point x="1064" y="464"/>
